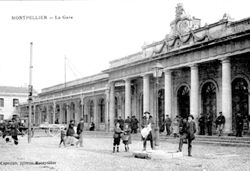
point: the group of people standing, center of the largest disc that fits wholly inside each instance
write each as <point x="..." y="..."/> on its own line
<point x="73" y="135"/>
<point x="206" y="123"/>
<point x="10" y="129"/>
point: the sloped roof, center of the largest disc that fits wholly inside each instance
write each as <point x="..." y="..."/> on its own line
<point x="9" y="89"/>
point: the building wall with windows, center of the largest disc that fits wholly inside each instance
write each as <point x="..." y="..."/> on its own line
<point x="194" y="69"/>
<point x="10" y="97"/>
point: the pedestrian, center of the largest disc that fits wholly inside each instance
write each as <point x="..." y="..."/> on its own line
<point x="14" y="131"/>
<point x="121" y="121"/>
<point x="209" y="123"/>
<point x="80" y="127"/>
<point x="168" y="123"/>
<point x="147" y="125"/>
<point x="63" y="137"/>
<point x="134" y="124"/>
<point x="128" y="121"/>
<point x="71" y="134"/>
<point x="92" y="126"/>
<point x="202" y="124"/>
<point x="220" y="123"/>
<point x="189" y="129"/>
<point x="175" y="127"/>
<point x="117" y="137"/>
<point x="126" y="137"/>
<point x="239" y="124"/>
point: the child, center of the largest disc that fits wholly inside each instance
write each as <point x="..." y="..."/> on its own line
<point x="126" y="137"/>
<point x="117" y="136"/>
<point x="63" y="137"/>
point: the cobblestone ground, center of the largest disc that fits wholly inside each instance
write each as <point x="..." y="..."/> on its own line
<point x="97" y="155"/>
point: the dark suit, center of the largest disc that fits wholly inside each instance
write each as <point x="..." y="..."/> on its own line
<point x="188" y="131"/>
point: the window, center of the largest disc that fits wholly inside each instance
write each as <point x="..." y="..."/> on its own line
<point x="15" y="102"/>
<point x="1" y="102"/>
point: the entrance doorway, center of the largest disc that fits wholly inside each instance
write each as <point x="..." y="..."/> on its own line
<point x="240" y="101"/>
<point x="183" y="101"/>
<point x="209" y="107"/>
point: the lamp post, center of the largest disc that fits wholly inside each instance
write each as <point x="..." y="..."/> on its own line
<point x="157" y="72"/>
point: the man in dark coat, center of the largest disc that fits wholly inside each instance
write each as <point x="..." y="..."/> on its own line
<point x="189" y="129"/>
<point x="239" y="124"/>
<point x="202" y="124"/>
<point x="220" y="122"/>
<point x="147" y="122"/>
<point x="80" y="127"/>
<point x="14" y="131"/>
<point x="134" y="124"/>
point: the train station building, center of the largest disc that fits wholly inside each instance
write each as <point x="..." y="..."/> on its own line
<point x="194" y="69"/>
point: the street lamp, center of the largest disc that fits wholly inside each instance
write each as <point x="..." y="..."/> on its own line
<point x="157" y="72"/>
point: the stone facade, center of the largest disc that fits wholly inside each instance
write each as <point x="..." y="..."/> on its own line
<point x="193" y="70"/>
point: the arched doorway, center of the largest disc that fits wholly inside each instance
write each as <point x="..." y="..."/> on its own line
<point x="183" y="101"/>
<point x="239" y="100"/>
<point x="161" y="110"/>
<point x="208" y="96"/>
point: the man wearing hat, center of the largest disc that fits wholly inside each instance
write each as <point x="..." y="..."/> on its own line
<point x="147" y="122"/>
<point x="220" y="122"/>
<point x="188" y="134"/>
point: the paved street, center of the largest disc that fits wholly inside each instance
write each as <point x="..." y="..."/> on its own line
<point x="44" y="154"/>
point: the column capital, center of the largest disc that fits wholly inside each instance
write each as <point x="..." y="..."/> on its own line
<point x="146" y="75"/>
<point x="167" y="71"/>
<point x="225" y="60"/>
<point x="127" y="79"/>
<point x="193" y="66"/>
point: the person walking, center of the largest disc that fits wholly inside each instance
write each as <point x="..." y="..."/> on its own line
<point x="147" y="125"/>
<point x="14" y="131"/>
<point x="79" y="131"/>
<point x="189" y="129"/>
<point x="168" y="123"/>
<point x="71" y="140"/>
<point x="239" y="124"/>
<point x="117" y="137"/>
<point x="220" y="123"/>
<point x="202" y="124"/>
<point x="63" y="137"/>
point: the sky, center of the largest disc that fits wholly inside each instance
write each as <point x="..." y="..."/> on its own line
<point x="97" y="32"/>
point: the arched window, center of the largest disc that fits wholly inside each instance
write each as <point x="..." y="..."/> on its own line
<point x="183" y="101"/>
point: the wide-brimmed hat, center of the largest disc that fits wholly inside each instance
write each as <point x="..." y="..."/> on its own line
<point x="191" y="116"/>
<point x="146" y="112"/>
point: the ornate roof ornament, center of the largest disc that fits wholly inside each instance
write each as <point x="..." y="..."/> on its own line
<point x="183" y="23"/>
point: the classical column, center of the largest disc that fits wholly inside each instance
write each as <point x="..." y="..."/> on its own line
<point x="112" y="105"/>
<point x="107" y="110"/>
<point x="146" y="93"/>
<point x="227" y="94"/>
<point x="168" y="92"/>
<point x="127" y="98"/>
<point x="194" y="94"/>
<point x="54" y="112"/>
<point x="68" y="112"/>
<point x="61" y="113"/>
